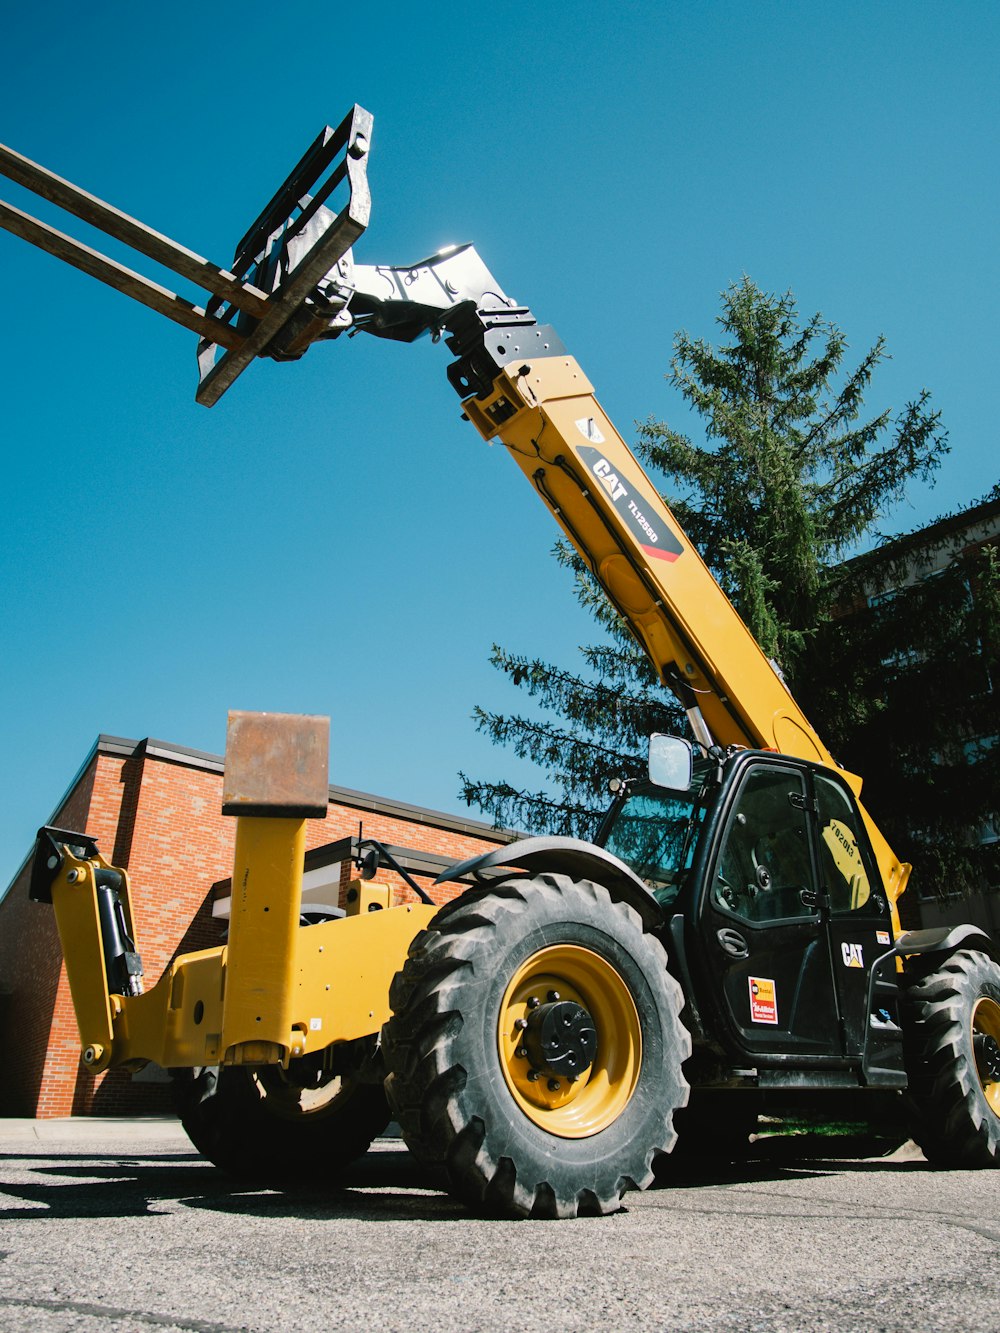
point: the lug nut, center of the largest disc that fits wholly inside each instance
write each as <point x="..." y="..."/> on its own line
<point x="522" y="1052"/>
<point x="533" y="1001"/>
<point x="553" y="996"/>
<point x="553" y="1085"/>
<point x="521" y="1024"/>
<point x="532" y="1075"/>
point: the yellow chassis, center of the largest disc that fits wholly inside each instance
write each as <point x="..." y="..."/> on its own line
<point x="275" y="991"/>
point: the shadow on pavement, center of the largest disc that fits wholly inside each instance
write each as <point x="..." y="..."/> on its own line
<point x="119" y="1184"/>
<point x="386" y="1183"/>
<point x="780" y="1156"/>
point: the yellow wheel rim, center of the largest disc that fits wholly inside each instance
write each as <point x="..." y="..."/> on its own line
<point x="287" y="1101"/>
<point x="599" y="1093"/>
<point x="986" y="1044"/>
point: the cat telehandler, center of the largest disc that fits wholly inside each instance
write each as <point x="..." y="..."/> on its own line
<point x="731" y="931"/>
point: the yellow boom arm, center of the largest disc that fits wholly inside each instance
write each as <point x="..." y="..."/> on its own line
<point x="294" y="282"/>
<point x="544" y="410"/>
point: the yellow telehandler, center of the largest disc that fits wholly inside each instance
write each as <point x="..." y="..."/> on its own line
<point x="731" y="931"/>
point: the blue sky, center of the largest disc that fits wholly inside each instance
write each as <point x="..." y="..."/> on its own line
<point x="332" y="538"/>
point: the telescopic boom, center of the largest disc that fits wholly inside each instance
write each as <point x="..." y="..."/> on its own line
<point x="294" y="282"/>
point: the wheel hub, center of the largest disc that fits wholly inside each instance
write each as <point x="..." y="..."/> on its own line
<point x="987" y="1050"/>
<point x="569" y="1041"/>
<point x="560" y="1037"/>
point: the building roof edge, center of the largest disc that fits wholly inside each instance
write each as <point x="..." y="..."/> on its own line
<point x="170" y="753"/>
<point x="926" y="538"/>
<point x="92" y="754"/>
<point x="124" y="748"/>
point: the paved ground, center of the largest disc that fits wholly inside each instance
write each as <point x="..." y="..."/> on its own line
<point x="119" y="1225"/>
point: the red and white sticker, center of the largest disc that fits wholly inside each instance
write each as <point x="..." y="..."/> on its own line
<point x="763" y="1001"/>
<point x="882" y="936"/>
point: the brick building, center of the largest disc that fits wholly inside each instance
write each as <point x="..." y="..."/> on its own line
<point x="952" y="545"/>
<point x="155" y="809"/>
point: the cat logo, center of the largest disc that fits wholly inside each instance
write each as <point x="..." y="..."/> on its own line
<point x="853" y="956"/>
<point x="608" y="479"/>
<point x="641" y="513"/>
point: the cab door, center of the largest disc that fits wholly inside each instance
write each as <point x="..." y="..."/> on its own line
<point x="860" y="923"/>
<point x="769" y="951"/>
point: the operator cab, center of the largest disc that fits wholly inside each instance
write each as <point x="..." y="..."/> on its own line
<point x="766" y="859"/>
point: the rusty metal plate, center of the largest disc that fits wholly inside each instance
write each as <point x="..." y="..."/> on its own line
<point x="277" y="764"/>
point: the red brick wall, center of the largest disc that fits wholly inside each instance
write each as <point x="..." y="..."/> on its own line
<point x="32" y="979"/>
<point x="160" y="820"/>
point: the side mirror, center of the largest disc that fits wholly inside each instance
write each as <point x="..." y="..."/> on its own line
<point x="368" y="863"/>
<point x="670" y="762"/>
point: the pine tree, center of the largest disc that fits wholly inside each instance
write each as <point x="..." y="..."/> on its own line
<point x="790" y="478"/>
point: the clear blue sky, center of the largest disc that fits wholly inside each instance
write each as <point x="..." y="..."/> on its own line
<point x="332" y="538"/>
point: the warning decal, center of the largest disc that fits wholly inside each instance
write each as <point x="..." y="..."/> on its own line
<point x="763" y="1001"/>
<point x="843" y="847"/>
<point x="590" y="430"/>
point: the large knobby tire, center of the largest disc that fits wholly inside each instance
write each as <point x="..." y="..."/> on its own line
<point x="952" y="1042"/>
<point x="258" y="1126"/>
<point x="516" y="1134"/>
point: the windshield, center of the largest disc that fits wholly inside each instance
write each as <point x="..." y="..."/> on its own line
<point x="653" y="831"/>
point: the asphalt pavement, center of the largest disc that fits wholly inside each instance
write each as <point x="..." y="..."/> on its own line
<point x="119" y="1225"/>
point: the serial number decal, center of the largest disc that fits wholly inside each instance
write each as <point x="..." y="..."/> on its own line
<point x="763" y="1000"/>
<point x="633" y="509"/>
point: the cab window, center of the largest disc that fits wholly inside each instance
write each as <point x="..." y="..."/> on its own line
<point x="654" y="831"/>
<point x="764" y="863"/>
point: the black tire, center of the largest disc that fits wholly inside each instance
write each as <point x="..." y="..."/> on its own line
<point x="255" y="1125"/>
<point x="951" y="1024"/>
<point x="459" y="1083"/>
